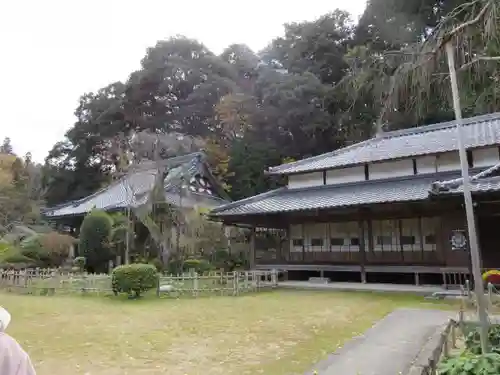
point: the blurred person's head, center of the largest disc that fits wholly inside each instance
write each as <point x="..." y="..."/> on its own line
<point x="4" y="319"/>
<point x="13" y="359"/>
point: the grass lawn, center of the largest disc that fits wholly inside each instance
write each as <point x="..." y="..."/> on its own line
<point x="275" y="333"/>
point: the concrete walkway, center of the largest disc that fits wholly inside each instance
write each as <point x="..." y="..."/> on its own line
<point x="360" y="287"/>
<point x="388" y="348"/>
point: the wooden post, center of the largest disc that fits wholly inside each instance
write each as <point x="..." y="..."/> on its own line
<point x="362" y="249"/>
<point x="401" y="246"/>
<point x="421" y="234"/>
<point x="195" y="284"/>
<point x="251" y="259"/>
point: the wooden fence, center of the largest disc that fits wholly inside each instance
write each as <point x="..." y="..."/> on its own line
<point x="49" y="281"/>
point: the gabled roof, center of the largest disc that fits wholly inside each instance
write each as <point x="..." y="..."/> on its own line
<point x="478" y="131"/>
<point x="399" y="189"/>
<point x="188" y="173"/>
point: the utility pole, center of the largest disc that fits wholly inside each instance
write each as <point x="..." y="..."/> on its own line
<point x="469" y="208"/>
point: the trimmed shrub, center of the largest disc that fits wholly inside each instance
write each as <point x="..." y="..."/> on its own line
<point x="134" y="279"/>
<point x="14" y="259"/>
<point x="95" y="234"/>
<point x="158" y="264"/>
<point x="199" y="265"/>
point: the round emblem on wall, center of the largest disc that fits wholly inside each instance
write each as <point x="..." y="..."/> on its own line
<point x="458" y="240"/>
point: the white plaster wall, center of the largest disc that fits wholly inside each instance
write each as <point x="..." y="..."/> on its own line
<point x="485" y="157"/>
<point x="305" y="180"/>
<point x="448" y="161"/>
<point x="426" y="164"/>
<point x="343" y="175"/>
<point x="391" y="169"/>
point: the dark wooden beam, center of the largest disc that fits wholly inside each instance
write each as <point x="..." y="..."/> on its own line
<point x="362" y="249"/>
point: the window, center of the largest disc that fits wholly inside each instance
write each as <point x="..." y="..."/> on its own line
<point x="408" y="240"/>
<point x="430" y="239"/>
<point x="385" y="235"/>
<point x="317" y="242"/>
<point x="354" y="241"/>
<point x="298" y="242"/>
<point x="336" y="241"/>
<point x="384" y="240"/>
<point x="430" y="226"/>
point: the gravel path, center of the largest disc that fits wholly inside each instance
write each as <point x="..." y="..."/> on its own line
<point x="388" y="348"/>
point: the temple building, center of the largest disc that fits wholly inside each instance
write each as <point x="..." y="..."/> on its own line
<point x="389" y="208"/>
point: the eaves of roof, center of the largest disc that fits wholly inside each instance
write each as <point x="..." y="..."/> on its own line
<point x="402" y="189"/>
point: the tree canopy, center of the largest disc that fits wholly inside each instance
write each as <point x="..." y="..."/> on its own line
<point x="322" y="85"/>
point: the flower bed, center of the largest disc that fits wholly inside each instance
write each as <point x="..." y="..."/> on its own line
<point x="492" y="276"/>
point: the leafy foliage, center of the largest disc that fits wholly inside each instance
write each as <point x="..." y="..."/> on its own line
<point x="79" y="263"/>
<point x="471" y="364"/>
<point x="134" y="279"/>
<point x="198" y="265"/>
<point x="95" y="234"/>
<point x="473" y="340"/>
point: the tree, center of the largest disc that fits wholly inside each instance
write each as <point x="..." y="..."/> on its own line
<point x="407" y="75"/>
<point x="316" y="47"/>
<point x="6" y="147"/>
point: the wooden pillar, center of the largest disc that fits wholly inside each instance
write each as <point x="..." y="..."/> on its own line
<point x="371" y="245"/>
<point x="478" y="233"/>
<point x="362" y="249"/>
<point x="303" y="242"/>
<point x="422" y="238"/>
<point x="401" y="246"/>
<point x="251" y="257"/>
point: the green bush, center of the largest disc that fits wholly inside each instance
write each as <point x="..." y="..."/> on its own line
<point x="471" y="364"/>
<point x="14" y="259"/>
<point x="473" y="339"/>
<point x="79" y="263"/>
<point x="229" y="262"/>
<point x="32" y="248"/>
<point x="199" y="265"/>
<point x="157" y="263"/>
<point x="95" y="234"/>
<point x="134" y="279"/>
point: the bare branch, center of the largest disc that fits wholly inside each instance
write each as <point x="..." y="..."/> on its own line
<point x="446" y="38"/>
<point x="478" y="59"/>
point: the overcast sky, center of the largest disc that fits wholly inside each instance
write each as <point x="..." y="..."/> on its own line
<point x="53" y="51"/>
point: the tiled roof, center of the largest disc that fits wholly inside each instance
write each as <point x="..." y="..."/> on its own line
<point x="478" y="131"/>
<point x="413" y="188"/>
<point x="133" y="189"/>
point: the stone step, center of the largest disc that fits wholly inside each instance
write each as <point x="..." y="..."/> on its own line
<point x="319" y="280"/>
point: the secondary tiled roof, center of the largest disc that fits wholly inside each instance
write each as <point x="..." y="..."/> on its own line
<point x="478" y="131"/>
<point x="133" y="189"/>
<point x="485" y="185"/>
<point x="413" y="188"/>
<point x="483" y="182"/>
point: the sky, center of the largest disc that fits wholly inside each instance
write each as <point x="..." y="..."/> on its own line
<point x="53" y="51"/>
